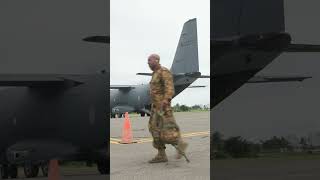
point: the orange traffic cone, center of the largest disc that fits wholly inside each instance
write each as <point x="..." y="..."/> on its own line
<point x="127" y="137"/>
<point x="53" y="173"/>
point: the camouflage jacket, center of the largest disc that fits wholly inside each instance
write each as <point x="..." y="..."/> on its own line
<point x="161" y="86"/>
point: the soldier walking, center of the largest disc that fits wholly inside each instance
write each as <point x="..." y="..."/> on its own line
<point x="161" y="93"/>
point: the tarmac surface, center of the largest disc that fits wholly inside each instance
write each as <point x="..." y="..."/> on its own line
<point x="70" y="173"/>
<point x="266" y="169"/>
<point x="130" y="161"/>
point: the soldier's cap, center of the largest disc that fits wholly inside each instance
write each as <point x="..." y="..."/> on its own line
<point x="156" y="56"/>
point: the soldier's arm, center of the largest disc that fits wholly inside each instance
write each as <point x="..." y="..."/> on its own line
<point x="168" y="83"/>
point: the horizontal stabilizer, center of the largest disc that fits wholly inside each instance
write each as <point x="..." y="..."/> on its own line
<point x="196" y="86"/>
<point x="122" y="87"/>
<point x="37" y="81"/>
<point x="303" y="48"/>
<point x="98" y="39"/>
<point x="193" y="74"/>
<point x="145" y="74"/>
<point x="204" y="76"/>
<point x="267" y="79"/>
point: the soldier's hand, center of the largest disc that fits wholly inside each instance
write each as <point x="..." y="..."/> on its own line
<point x="164" y="104"/>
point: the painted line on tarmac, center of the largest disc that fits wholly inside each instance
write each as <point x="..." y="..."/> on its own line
<point x="114" y="142"/>
<point x="149" y="139"/>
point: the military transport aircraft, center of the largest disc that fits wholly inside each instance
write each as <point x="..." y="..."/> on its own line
<point x="185" y="70"/>
<point x="53" y="104"/>
<point x="245" y="37"/>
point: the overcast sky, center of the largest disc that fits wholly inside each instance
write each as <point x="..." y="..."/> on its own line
<point x="44" y="36"/>
<point x="141" y="27"/>
<point x="262" y="110"/>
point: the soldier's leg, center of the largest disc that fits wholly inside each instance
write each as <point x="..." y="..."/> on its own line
<point x="182" y="146"/>
<point x="155" y="132"/>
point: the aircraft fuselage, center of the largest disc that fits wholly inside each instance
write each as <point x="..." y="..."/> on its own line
<point x="42" y="123"/>
<point x="135" y="99"/>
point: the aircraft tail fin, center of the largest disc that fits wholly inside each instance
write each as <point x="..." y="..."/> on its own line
<point x="185" y="66"/>
<point x="186" y="57"/>
<point x="303" y="48"/>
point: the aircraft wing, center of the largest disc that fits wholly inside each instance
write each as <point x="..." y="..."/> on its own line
<point x="224" y="85"/>
<point x="303" y="48"/>
<point x="122" y="87"/>
<point x="194" y="74"/>
<point x="267" y="79"/>
<point x="145" y="110"/>
<point x="122" y="109"/>
<point x="196" y="86"/>
<point x="145" y="74"/>
<point x="98" y="39"/>
<point x="29" y="80"/>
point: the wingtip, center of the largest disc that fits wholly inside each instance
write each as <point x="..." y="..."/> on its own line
<point x="97" y="39"/>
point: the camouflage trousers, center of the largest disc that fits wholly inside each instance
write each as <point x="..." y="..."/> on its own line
<point x="155" y="123"/>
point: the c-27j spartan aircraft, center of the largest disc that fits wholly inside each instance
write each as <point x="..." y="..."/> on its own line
<point x="185" y="70"/>
<point x="245" y="37"/>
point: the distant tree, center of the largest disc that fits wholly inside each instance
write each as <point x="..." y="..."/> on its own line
<point x="176" y="107"/>
<point x="275" y="143"/>
<point x="238" y="147"/>
<point x="184" y="108"/>
<point x="303" y="143"/>
<point x="196" y="107"/>
<point x="216" y="146"/>
<point x="216" y="141"/>
<point x="206" y="107"/>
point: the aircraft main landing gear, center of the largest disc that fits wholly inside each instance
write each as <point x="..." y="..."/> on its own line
<point x="4" y="172"/>
<point x="9" y="171"/>
<point x="31" y="170"/>
<point x="103" y="166"/>
<point x="45" y="168"/>
<point x="13" y="171"/>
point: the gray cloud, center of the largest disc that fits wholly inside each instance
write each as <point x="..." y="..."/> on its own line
<point x="141" y="27"/>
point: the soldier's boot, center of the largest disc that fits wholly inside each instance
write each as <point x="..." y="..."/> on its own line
<point x="182" y="146"/>
<point x="160" y="157"/>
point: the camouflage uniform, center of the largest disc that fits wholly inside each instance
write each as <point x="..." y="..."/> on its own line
<point x="161" y="88"/>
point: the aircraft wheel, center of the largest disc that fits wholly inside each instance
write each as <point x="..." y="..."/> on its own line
<point x="103" y="167"/>
<point x="45" y="168"/>
<point x="31" y="171"/>
<point x="13" y="171"/>
<point x="148" y="114"/>
<point x="4" y="172"/>
<point x="143" y="114"/>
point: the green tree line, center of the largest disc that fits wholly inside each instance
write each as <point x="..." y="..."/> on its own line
<point x="185" y="108"/>
<point x="239" y="147"/>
